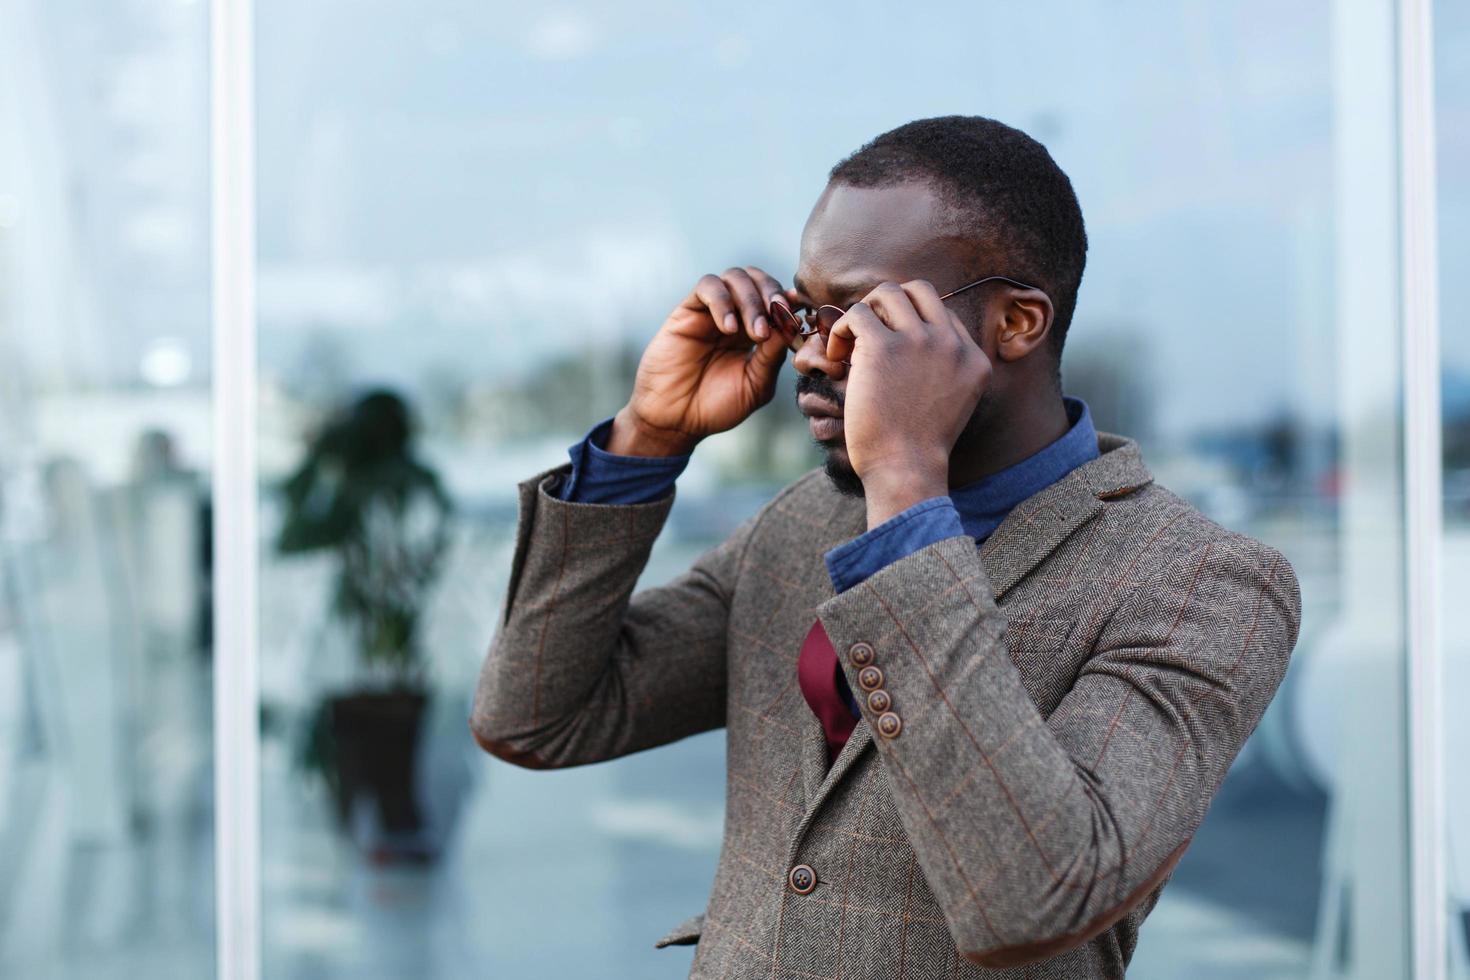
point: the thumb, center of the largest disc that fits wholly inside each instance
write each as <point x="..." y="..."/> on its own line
<point x="765" y="360"/>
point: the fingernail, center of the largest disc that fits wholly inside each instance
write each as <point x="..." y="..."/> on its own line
<point x="761" y="329"/>
<point x="730" y="322"/>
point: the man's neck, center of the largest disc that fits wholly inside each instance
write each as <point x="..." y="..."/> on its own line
<point x="1006" y="444"/>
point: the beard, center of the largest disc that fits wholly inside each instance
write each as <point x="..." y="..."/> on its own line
<point x="839" y="470"/>
<point x="838" y="465"/>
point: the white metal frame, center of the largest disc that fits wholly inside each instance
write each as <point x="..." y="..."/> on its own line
<point x="1423" y="486"/>
<point x="236" y="669"/>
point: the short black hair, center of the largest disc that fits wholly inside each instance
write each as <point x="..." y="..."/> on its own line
<point x="1005" y="191"/>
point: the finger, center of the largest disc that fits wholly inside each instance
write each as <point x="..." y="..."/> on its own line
<point x="893" y="307"/>
<point x="749" y="302"/>
<point x="766" y="359"/>
<point x="788" y="326"/>
<point x="711" y="293"/>
<point x="773" y="296"/>
<point x="770" y="289"/>
<point x="925" y="299"/>
<point x="858" y="321"/>
<point x="927" y="302"/>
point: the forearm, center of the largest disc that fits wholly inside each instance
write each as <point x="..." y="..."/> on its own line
<point x="965" y="715"/>
<point x="582" y="669"/>
<point x="1033" y="831"/>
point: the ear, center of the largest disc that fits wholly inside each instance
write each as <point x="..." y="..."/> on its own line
<point x="1024" y="319"/>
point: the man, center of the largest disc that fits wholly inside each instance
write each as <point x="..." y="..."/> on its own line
<point x="981" y="675"/>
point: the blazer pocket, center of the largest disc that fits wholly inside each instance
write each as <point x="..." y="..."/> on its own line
<point x="1042" y="635"/>
<point x="685" y="933"/>
<point x="1040" y="649"/>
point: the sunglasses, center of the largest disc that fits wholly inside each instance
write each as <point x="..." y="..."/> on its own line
<point x="796" y="328"/>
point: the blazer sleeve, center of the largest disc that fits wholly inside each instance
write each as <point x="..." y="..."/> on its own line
<point x="580" y="669"/>
<point x="1036" y="834"/>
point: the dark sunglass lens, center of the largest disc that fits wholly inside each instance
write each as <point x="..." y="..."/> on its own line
<point x="786" y="321"/>
<point x="827" y="317"/>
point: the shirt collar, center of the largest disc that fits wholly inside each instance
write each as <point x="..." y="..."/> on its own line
<point x="995" y="494"/>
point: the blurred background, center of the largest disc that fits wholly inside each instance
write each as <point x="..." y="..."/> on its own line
<point x="471" y="217"/>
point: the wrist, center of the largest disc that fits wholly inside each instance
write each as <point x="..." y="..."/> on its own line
<point x="893" y="490"/>
<point x="631" y="436"/>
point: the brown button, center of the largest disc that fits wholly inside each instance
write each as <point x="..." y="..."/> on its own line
<point x="803" y="879"/>
<point x="860" y="654"/>
<point x="889" y="724"/>
<point x="871" y="678"/>
<point x="879" y="701"/>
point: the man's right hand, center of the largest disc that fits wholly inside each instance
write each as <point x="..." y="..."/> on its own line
<point x="712" y="363"/>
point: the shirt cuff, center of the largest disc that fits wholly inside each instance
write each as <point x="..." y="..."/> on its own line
<point x="601" y="477"/>
<point x="921" y="525"/>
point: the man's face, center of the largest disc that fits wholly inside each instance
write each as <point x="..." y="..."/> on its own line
<point x="856" y="238"/>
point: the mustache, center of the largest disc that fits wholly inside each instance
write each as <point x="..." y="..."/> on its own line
<point x="820" y="386"/>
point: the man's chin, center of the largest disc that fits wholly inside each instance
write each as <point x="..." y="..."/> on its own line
<point x="839" y="470"/>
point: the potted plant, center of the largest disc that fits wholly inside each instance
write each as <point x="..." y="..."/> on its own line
<point x="363" y="495"/>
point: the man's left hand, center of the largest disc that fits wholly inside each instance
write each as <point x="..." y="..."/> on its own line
<point x="916" y="375"/>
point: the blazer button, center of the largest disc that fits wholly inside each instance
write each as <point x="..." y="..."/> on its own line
<point x="871" y="678"/>
<point x="879" y="701"/>
<point x="889" y="724"/>
<point x="860" y="654"/>
<point x="803" y="879"/>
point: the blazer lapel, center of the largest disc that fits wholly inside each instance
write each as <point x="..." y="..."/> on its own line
<point x="845" y="519"/>
<point x="813" y="756"/>
<point x="1034" y="528"/>
<point x="1037" y="525"/>
<point x="817" y="778"/>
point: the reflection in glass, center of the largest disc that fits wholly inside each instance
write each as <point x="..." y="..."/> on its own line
<point x="362" y="496"/>
<point x="106" y="817"/>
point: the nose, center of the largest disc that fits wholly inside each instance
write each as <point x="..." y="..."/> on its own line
<point x="811" y="358"/>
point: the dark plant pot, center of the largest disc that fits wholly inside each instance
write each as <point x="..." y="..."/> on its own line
<point x="372" y="764"/>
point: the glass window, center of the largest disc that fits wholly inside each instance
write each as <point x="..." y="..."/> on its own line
<point x="1452" y="105"/>
<point x="106" y="812"/>
<point x="472" y="217"/>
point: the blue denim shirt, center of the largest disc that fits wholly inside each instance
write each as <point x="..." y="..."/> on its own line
<point x="601" y="477"/>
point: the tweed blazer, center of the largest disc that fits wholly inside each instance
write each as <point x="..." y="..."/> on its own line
<point x="1057" y="709"/>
